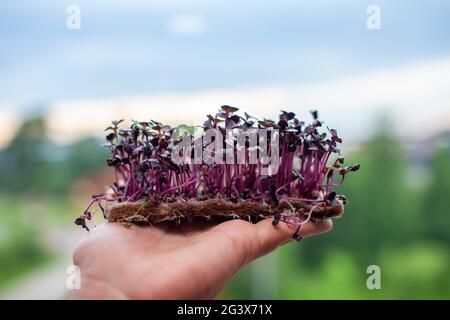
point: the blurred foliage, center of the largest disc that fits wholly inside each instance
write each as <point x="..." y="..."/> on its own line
<point x="20" y="249"/>
<point x="403" y="229"/>
<point x="383" y="211"/>
<point x="435" y="209"/>
<point x="388" y="222"/>
<point x="32" y="163"/>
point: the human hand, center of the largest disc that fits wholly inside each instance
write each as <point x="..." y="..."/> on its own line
<point x="168" y="261"/>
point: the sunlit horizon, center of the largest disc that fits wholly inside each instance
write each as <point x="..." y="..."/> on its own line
<point x="412" y="95"/>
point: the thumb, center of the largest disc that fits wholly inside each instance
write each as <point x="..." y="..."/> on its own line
<point x="271" y="237"/>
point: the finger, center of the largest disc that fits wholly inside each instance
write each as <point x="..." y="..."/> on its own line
<point x="271" y="237"/>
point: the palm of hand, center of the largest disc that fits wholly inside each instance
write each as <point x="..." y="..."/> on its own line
<point x="167" y="261"/>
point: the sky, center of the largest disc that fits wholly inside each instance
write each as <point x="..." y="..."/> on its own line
<point x="181" y="59"/>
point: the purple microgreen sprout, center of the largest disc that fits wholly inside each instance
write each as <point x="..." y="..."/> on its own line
<point x="141" y="157"/>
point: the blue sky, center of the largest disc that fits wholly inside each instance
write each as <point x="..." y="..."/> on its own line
<point x="127" y="47"/>
<point x="177" y="60"/>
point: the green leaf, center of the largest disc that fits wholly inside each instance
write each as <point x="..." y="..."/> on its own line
<point x="183" y="128"/>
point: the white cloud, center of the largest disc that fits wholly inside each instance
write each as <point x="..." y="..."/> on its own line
<point x="415" y="96"/>
<point x="186" y="24"/>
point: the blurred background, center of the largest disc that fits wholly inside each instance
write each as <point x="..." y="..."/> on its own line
<point x="69" y="67"/>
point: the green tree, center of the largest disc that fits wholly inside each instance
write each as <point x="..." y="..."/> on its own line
<point x="382" y="210"/>
<point x="32" y="163"/>
<point x="435" y="219"/>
